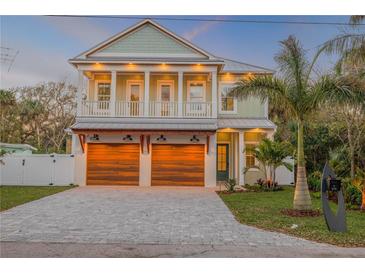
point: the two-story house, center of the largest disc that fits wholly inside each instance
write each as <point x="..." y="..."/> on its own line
<point x="152" y="110"/>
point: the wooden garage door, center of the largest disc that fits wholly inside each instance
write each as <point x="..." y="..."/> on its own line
<point x="178" y="165"/>
<point x="113" y="164"/>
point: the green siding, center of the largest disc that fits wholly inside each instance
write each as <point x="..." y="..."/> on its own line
<point x="149" y="40"/>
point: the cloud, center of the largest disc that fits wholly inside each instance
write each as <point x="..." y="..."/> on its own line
<point x="201" y="28"/>
<point x="82" y="29"/>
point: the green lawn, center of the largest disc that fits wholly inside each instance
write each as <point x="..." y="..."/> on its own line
<point x="11" y="196"/>
<point x="262" y="209"/>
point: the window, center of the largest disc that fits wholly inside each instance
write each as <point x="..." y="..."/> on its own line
<point x="228" y="103"/>
<point x="196" y="91"/>
<point x="250" y="158"/>
<point x="252" y="139"/>
<point x="103" y="90"/>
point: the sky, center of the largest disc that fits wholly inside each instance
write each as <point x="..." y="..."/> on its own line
<point x="44" y="44"/>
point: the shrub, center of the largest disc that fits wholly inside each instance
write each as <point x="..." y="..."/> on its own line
<point x="230" y="184"/>
<point x="267" y="185"/>
<point x="314" y="181"/>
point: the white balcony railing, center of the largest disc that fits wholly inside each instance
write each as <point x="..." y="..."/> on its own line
<point x="163" y="109"/>
<point x="155" y="109"/>
<point x="95" y="108"/>
<point x="129" y="109"/>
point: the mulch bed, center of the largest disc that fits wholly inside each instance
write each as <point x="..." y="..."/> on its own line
<point x="301" y="213"/>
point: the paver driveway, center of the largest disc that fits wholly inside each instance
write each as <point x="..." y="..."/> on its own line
<point x="135" y="215"/>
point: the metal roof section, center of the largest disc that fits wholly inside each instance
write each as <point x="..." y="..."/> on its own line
<point x="144" y="124"/>
<point x="17" y="146"/>
<point x="242" y="123"/>
<point x="231" y="66"/>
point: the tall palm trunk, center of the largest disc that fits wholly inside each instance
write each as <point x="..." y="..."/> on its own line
<point x="363" y="196"/>
<point x="302" y="199"/>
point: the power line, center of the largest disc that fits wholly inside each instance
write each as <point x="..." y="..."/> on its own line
<point x="210" y="20"/>
<point x="5" y="57"/>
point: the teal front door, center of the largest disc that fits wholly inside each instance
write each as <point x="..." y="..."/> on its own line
<point x="222" y="162"/>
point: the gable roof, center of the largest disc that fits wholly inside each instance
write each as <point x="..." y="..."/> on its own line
<point x="184" y="48"/>
<point x="111" y="50"/>
<point x="232" y="66"/>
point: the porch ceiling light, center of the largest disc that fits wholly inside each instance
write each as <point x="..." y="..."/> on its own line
<point x="128" y="138"/>
<point x="161" y="138"/>
<point x="95" y="137"/>
<point x="194" y="139"/>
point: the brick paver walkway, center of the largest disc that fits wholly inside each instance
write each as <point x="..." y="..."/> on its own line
<point x="135" y="215"/>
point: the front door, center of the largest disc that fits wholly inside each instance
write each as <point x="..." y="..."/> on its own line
<point x="165" y="98"/>
<point x="222" y="162"/>
<point x="134" y="96"/>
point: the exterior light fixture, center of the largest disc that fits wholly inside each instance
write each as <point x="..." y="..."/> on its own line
<point x="161" y="138"/>
<point x="95" y="137"/>
<point x="127" y="138"/>
<point x="194" y="139"/>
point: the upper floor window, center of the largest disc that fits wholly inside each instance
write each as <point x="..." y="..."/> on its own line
<point x="196" y="91"/>
<point x="103" y="91"/>
<point x="228" y="104"/>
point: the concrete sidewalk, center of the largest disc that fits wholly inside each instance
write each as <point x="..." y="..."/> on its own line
<point x="74" y="250"/>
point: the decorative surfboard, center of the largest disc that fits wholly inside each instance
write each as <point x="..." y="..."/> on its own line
<point x="336" y="222"/>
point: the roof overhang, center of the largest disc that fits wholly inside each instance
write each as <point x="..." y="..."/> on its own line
<point x="142" y="125"/>
<point x="245" y="123"/>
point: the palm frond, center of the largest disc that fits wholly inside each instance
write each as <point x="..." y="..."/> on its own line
<point x="338" y="91"/>
<point x="356" y="19"/>
<point x="265" y="87"/>
<point x="344" y="43"/>
<point x="292" y="61"/>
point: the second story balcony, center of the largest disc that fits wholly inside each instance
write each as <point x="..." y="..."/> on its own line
<point x="159" y="109"/>
<point x="176" y="92"/>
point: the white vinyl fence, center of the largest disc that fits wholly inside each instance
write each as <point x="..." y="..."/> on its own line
<point x="37" y="169"/>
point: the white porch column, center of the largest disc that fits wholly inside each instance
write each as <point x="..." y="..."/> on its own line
<point x="241" y="157"/>
<point x="146" y="93"/>
<point x="80" y="90"/>
<point x="210" y="175"/>
<point x="180" y="79"/>
<point x="214" y="94"/>
<point x="113" y="93"/>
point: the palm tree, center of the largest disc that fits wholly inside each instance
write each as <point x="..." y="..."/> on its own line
<point x="272" y="155"/>
<point x="299" y="95"/>
<point x="350" y="45"/>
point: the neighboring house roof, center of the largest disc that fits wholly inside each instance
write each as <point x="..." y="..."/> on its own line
<point x="240" y="67"/>
<point x="146" y="124"/>
<point x="17" y="146"/>
<point x="245" y="123"/>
